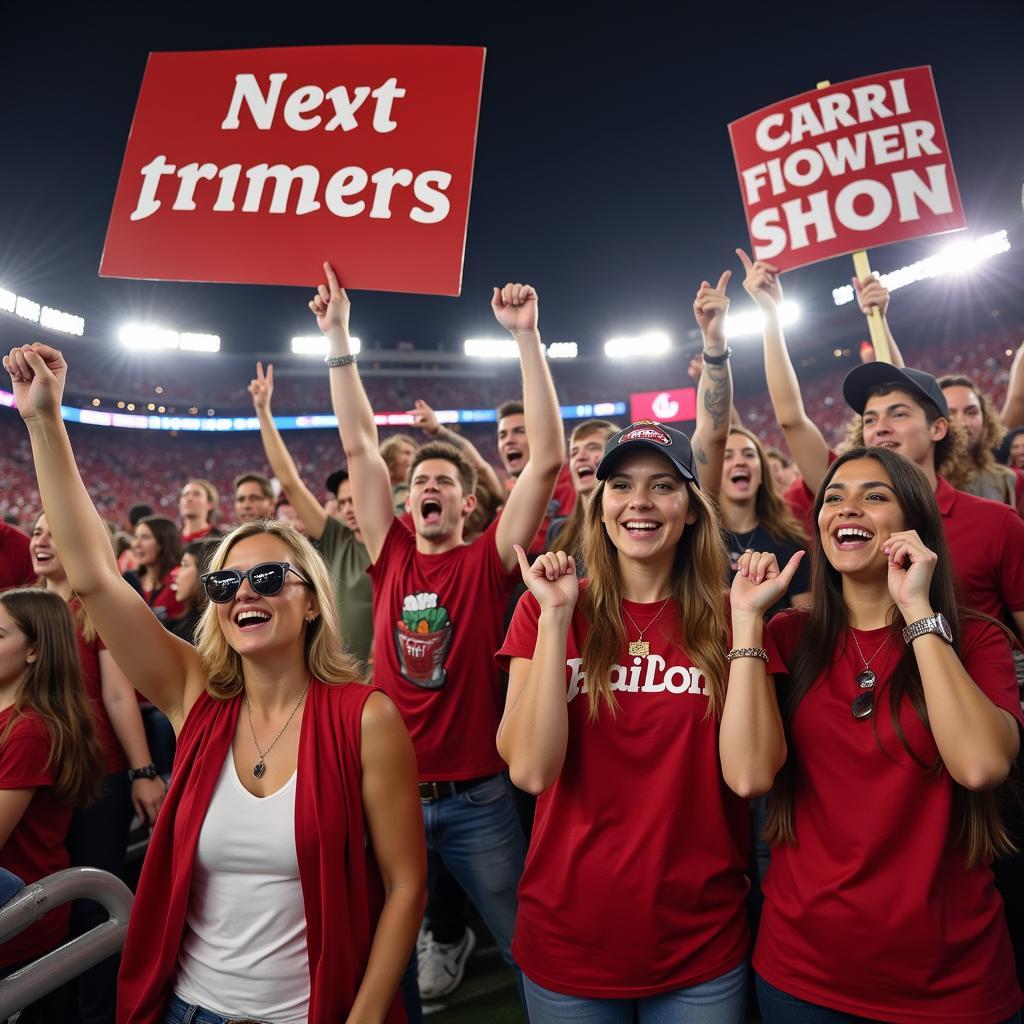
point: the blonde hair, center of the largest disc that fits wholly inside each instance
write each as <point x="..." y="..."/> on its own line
<point x="391" y="450"/>
<point x="696" y="586"/>
<point x="325" y="652"/>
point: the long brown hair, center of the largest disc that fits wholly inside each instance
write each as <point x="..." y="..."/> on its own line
<point x="773" y="514"/>
<point x="695" y="587"/>
<point x="168" y="539"/>
<point x="979" y="459"/>
<point x="570" y="536"/>
<point x="981" y="828"/>
<point x="53" y="689"/>
<point x="325" y="652"/>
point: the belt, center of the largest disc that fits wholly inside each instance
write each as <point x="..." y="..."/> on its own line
<point x="430" y="791"/>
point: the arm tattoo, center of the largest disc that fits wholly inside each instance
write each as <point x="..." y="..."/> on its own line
<point x="444" y="434"/>
<point x="717" y="394"/>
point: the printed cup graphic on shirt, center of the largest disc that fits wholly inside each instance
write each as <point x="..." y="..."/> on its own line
<point x="422" y="637"/>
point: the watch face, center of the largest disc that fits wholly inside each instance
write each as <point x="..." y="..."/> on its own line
<point x="944" y="631"/>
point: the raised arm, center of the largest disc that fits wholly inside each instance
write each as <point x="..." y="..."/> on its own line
<point x="302" y="499"/>
<point x="534" y="729"/>
<point x="371" y="483"/>
<point x="751" y="740"/>
<point x="871" y="293"/>
<point x="515" y="308"/>
<point x="1013" y="407"/>
<point x="714" y="389"/>
<point x="805" y="440"/>
<point x="424" y="418"/>
<point x="163" y="668"/>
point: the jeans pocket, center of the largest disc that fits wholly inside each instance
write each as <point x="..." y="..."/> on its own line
<point x="489" y="791"/>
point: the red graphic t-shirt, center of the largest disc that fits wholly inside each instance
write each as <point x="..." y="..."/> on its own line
<point x="437" y="621"/>
<point x="872" y="912"/>
<point x="635" y="879"/>
<point x="35" y="848"/>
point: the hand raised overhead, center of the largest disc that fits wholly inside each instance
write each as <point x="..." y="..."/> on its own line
<point x="515" y="307"/>
<point x="424" y="417"/>
<point x="261" y="387"/>
<point x="761" y="282"/>
<point x="871" y="294"/>
<point x="330" y="304"/>
<point x="37" y="376"/>
<point x="710" y="307"/>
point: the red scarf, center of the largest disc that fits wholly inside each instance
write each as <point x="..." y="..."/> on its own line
<point x="341" y="887"/>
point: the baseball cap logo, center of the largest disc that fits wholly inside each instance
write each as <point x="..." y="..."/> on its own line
<point x="648" y="432"/>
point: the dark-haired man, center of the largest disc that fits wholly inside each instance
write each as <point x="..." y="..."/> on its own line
<point x="254" y="497"/>
<point x="439" y="605"/>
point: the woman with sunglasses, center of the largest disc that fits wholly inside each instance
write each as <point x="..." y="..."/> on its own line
<point x="285" y="877"/>
<point x="901" y="715"/>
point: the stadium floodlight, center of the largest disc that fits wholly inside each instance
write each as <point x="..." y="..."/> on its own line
<point x="57" y="320"/>
<point x="27" y="308"/>
<point x="147" y="338"/>
<point x="316" y="345"/>
<point x="199" y="342"/>
<point x="491" y="348"/>
<point x="654" y="343"/>
<point x="739" y="325"/>
<point x="958" y="257"/>
<point x="7" y="300"/>
<point x="562" y="350"/>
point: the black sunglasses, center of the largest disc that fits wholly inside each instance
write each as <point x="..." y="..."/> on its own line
<point x="266" y="579"/>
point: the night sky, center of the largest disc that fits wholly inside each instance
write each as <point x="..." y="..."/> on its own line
<point x="604" y="174"/>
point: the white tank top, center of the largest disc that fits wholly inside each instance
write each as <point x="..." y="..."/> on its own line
<point x="244" y="948"/>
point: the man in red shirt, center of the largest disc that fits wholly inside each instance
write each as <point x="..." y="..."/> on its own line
<point x="197" y="506"/>
<point x="15" y="561"/>
<point x="439" y="604"/>
<point x="514" y="451"/>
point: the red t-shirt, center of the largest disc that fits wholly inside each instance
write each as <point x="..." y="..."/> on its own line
<point x="635" y="879"/>
<point x="164" y="601"/>
<point x="203" y="531"/>
<point x="15" y="561"/>
<point x="872" y="912"/>
<point x="986" y="545"/>
<point x="35" y="848"/>
<point x="563" y="498"/>
<point x="437" y="621"/>
<point x="89" y="653"/>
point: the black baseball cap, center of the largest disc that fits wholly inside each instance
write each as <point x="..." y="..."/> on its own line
<point x="872" y="375"/>
<point x="336" y="479"/>
<point x="647" y="435"/>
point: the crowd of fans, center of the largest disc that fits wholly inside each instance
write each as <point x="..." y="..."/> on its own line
<point x="862" y="518"/>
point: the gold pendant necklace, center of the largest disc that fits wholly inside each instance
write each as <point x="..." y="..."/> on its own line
<point x="260" y="767"/>
<point x="641" y="647"/>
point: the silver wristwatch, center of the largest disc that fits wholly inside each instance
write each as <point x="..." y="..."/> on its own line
<point x="932" y="624"/>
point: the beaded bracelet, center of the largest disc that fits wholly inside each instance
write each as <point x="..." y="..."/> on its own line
<point x="333" y="361"/>
<point x="747" y="652"/>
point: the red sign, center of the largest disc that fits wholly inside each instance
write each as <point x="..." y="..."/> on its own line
<point x="676" y="406"/>
<point x="255" y="166"/>
<point x="852" y="166"/>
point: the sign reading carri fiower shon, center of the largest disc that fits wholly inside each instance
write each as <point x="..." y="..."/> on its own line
<point x="255" y="166"/>
<point x="847" y="167"/>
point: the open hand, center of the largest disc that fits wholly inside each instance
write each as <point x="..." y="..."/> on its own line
<point x="710" y="307"/>
<point x="37" y="377"/>
<point x="330" y="304"/>
<point x="515" y="307"/>
<point x="761" y="282"/>
<point x="759" y="583"/>
<point x="261" y="387"/>
<point x="551" y="579"/>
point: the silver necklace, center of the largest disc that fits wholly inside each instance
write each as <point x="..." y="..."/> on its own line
<point x="866" y="678"/>
<point x="641" y="647"/>
<point x="260" y="767"/>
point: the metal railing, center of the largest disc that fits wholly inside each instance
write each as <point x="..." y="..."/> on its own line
<point x="49" y="972"/>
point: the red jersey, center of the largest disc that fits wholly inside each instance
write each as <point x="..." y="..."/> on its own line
<point x="872" y="911"/>
<point x="986" y="545"/>
<point x="35" y="848"/>
<point x="635" y="879"/>
<point x="204" y="531"/>
<point x="15" y="561"/>
<point x="89" y="654"/>
<point x="164" y="601"/>
<point x="437" y="621"/>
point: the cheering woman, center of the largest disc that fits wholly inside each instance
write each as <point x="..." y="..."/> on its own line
<point x="902" y="716"/>
<point x="285" y="877"/>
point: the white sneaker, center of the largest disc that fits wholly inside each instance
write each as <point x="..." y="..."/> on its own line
<point x="441" y="965"/>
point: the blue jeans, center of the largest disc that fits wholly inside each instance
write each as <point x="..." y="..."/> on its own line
<point x="476" y="835"/>
<point x="719" y="1001"/>
<point x="180" y="1012"/>
<point x="778" y="1007"/>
